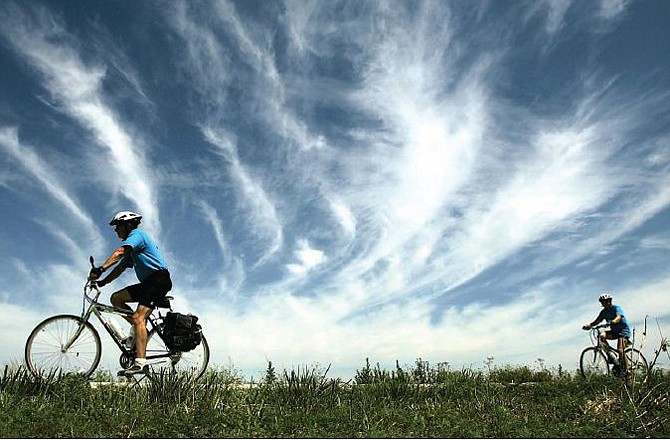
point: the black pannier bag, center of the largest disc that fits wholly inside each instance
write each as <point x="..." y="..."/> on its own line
<point x="181" y="332"/>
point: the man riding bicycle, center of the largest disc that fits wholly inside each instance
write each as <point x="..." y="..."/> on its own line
<point x="619" y="328"/>
<point x="139" y="251"/>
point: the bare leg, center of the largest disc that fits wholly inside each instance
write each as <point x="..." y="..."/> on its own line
<point x="621" y="345"/>
<point x="120" y="300"/>
<point x="603" y="339"/>
<point x="140" y="322"/>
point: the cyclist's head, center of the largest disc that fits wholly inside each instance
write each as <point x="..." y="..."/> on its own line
<point x="129" y="218"/>
<point x="605" y="298"/>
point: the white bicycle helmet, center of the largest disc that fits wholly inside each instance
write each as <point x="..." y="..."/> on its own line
<point x="604" y="296"/>
<point x="124" y="216"/>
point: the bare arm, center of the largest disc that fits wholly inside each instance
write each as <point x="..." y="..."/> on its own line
<point x="116" y="256"/>
<point x="592" y="323"/>
<point x="617" y="319"/>
<point x="113" y="259"/>
<point x="114" y="274"/>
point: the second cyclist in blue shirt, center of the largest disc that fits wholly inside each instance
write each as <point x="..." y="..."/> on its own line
<point x="619" y="327"/>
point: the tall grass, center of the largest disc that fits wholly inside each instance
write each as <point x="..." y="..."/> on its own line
<point x="412" y="401"/>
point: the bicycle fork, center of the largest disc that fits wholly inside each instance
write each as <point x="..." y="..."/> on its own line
<point x="84" y="319"/>
<point x="64" y="348"/>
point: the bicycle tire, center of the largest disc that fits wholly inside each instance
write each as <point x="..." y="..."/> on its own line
<point x="637" y="364"/>
<point x="593" y="363"/>
<point x="44" y="354"/>
<point x="192" y="363"/>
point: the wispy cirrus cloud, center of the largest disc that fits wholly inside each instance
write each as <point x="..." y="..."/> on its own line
<point x="599" y="14"/>
<point x="41" y="39"/>
<point x="411" y="184"/>
<point x="395" y="173"/>
<point x="231" y="273"/>
<point x="439" y="181"/>
<point x="252" y="200"/>
<point x="210" y="67"/>
<point x="34" y="166"/>
<point x="613" y="9"/>
<point x="307" y="258"/>
<point x="401" y="171"/>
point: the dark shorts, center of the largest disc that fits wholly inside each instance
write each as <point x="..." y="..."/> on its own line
<point x="151" y="290"/>
<point x="617" y="335"/>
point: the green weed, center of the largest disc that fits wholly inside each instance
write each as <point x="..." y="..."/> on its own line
<point x="412" y="401"/>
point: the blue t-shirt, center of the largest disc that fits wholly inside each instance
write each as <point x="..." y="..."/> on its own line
<point x="622" y="326"/>
<point x="144" y="255"/>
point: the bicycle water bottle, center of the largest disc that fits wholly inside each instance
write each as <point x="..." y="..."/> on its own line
<point x="613" y="357"/>
<point x="117" y="329"/>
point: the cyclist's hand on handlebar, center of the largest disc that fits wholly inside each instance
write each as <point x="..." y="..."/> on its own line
<point x="586" y="327"/>
<point x="95" y="273"/>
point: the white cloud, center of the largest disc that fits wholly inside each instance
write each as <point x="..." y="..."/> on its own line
<point x="656" y="241"/>
<point x="231" y="273"/>
<point x="555" y="14"/>
<point x="307" y="258"/>
<point x="41" y="39"/>
<point x="299" y="17"/>
<point x="212" y="218"/>
<point x="15" y="331"/>
<point x="430" y="172"/>
<point x="562" y="179"/>
<point x="254" y="202"/>
<point x="465" y="335"/>
<point x="344" y="216"/>
<point x="210" y="67"/>
<point x="34" y="165"/>
<point x="611" y="9"/>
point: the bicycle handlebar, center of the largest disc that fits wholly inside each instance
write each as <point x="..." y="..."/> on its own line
<point x="594" y="333"/>
<point x="91" y="284"/>
<point x="596" y="327"/>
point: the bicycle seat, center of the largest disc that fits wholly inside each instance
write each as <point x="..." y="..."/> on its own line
<point x="164" y="303"/>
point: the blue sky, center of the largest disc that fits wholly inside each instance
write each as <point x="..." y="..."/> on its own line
<point x="334" y="181"/>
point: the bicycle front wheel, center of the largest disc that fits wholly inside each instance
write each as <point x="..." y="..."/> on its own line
<point x="63" y="344"/>
<point x="191" y="363"/>
<point x="637" y="364"/>
<point x="593" y="362"/>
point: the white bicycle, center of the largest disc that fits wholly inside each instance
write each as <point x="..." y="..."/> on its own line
<point x="601" y="358"/>
<point x="65" y="344"/>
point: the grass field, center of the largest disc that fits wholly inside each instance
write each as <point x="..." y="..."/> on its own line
<point x="414" y="401"/>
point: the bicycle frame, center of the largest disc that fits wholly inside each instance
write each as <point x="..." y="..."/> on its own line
<point x="595" y="338"/>
<point x="98" y="309"/>
<point x="70" y="343"/>
<point x="604" y="345"/>
<point x="632" y="358"/>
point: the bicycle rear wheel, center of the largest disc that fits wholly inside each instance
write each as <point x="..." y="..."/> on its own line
<point x="637" y="364"/>
<point x="45" y="351"/>
<point x="191" y="363"/>
<point x="593" y="363"/>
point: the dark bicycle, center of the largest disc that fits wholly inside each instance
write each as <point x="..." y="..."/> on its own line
<point x="65" y="344"/>
<point x="602" y="359"/>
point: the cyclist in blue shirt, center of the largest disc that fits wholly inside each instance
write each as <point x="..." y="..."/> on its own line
<point x="619" y="327"/>
<point x="140" y="252"/>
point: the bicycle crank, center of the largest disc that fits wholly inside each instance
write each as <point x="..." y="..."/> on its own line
<point x="126" y="360"/>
